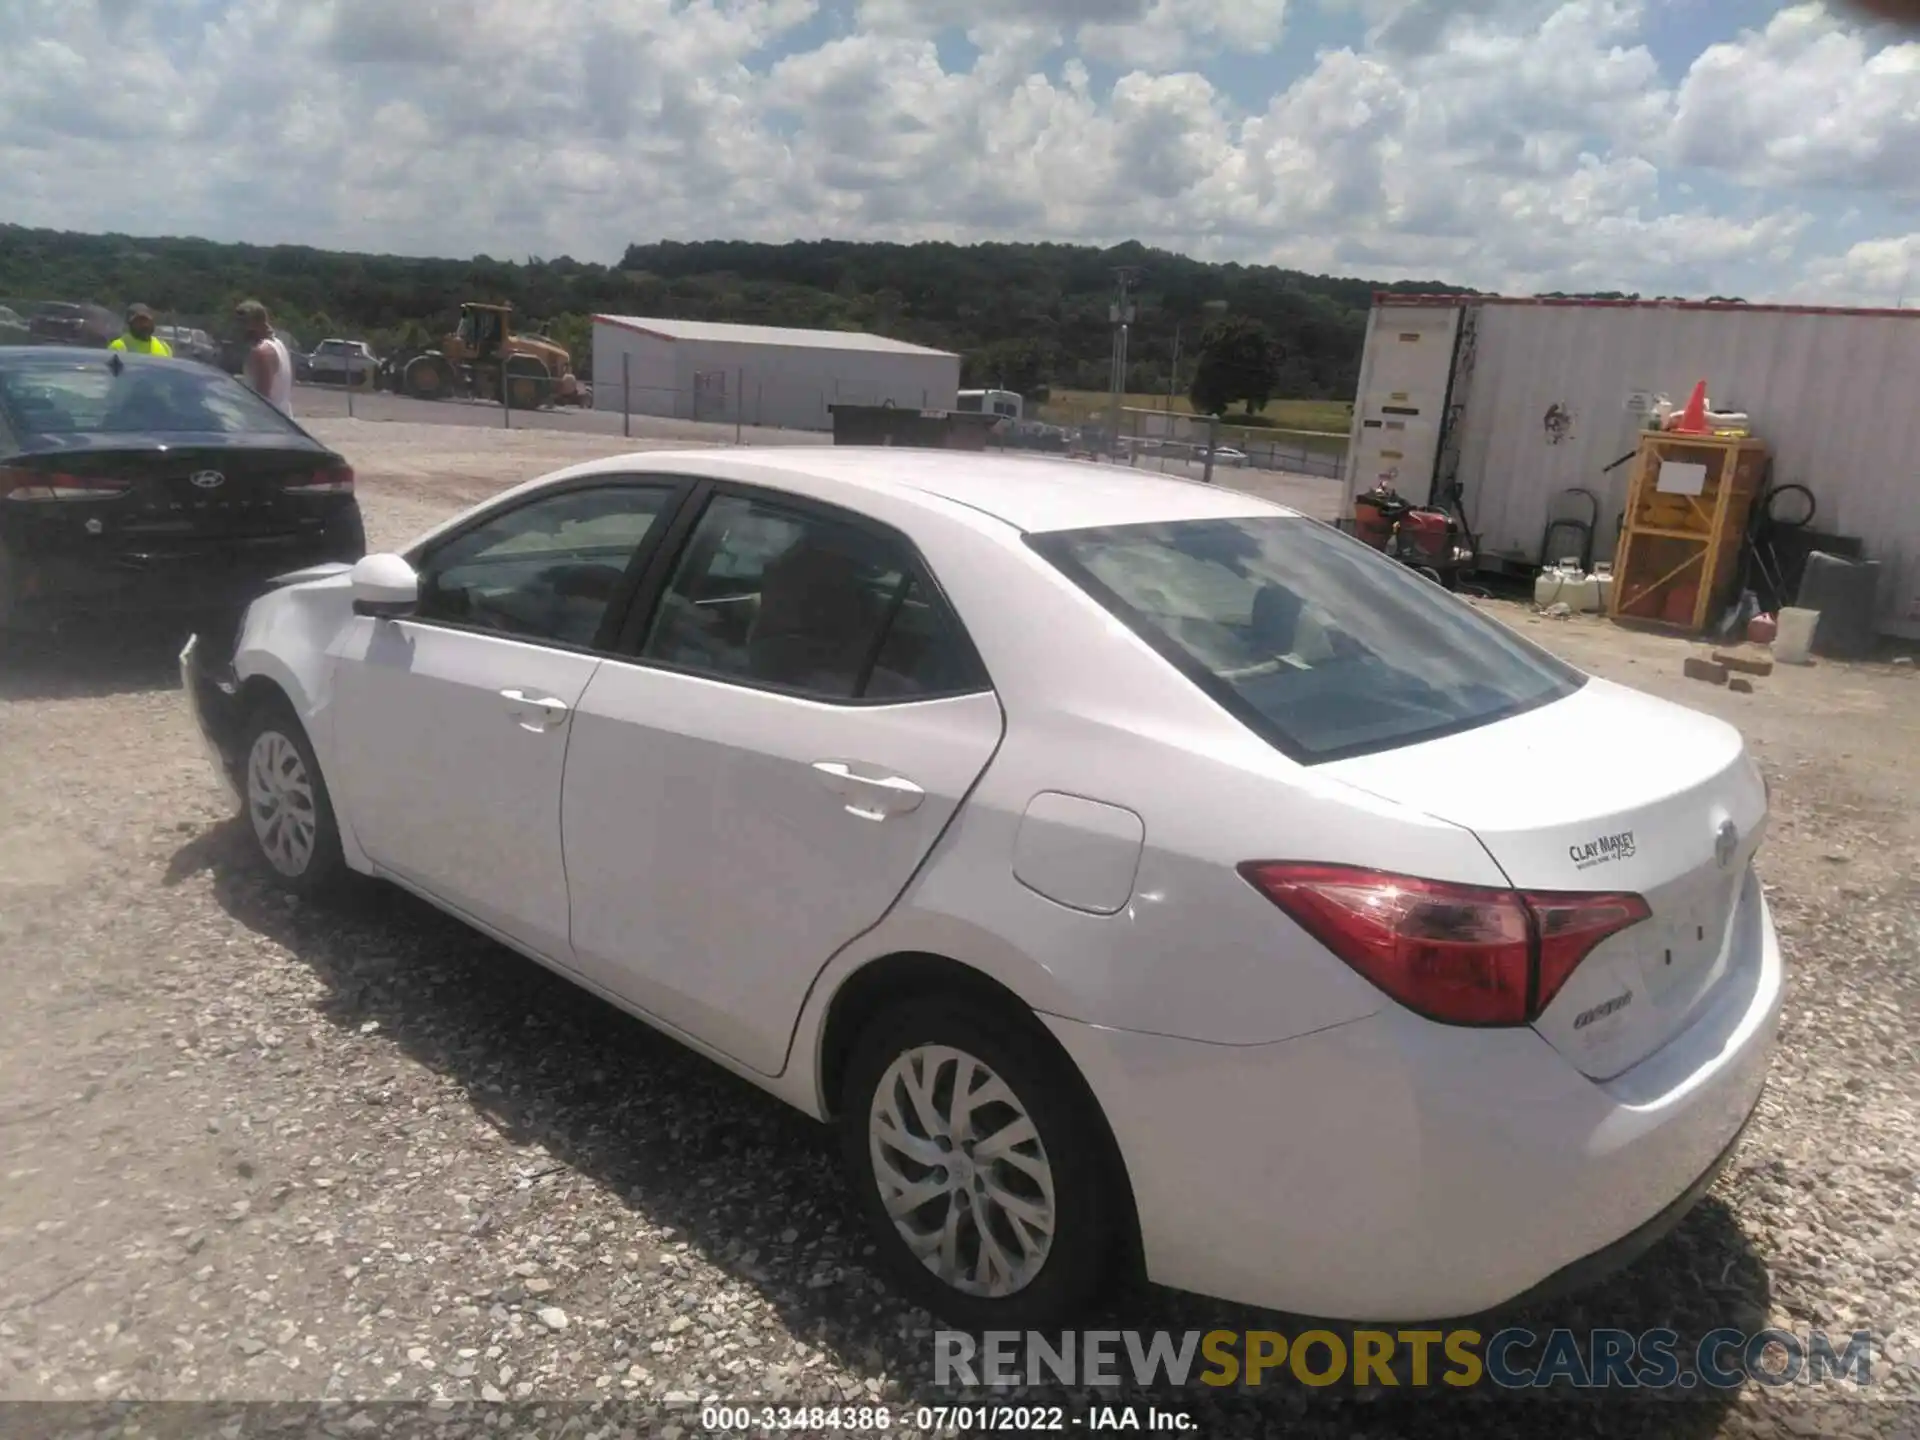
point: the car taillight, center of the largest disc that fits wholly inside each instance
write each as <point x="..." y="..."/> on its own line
<point x="332" y="480"/>
<point x="18" y="483"/>
<point x="1569" y="926"/>
<point x="1459" y="954"/>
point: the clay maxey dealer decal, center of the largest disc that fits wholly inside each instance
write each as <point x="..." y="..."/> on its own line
<point x="1601" y="851"/>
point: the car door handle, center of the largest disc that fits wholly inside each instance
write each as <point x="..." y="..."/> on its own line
<point x="552" y="710"/>
<point x="870" y="797"/>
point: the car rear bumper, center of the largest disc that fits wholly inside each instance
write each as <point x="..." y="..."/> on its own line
<point x="213" y="704"/>
<point x="1608" y="1260"/>
<point x="1394" y="1170"/>
<point x="208" y="575"/>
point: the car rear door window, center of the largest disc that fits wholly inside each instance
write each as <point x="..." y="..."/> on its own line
<point x="1319" y="643"/>
<point x="795" y="599"/>
<point x="547" y="570"/>
<point x="59" y="397"/>
<point x="924" y="652"/>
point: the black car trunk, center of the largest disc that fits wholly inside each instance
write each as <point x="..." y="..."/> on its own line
<point x="185" y="499"/>
<point x="150" y="526"/>
<point x="140" y="482"/>
<point x="223" y="495"/>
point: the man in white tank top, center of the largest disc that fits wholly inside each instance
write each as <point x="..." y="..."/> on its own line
<point x="268" y="368"/>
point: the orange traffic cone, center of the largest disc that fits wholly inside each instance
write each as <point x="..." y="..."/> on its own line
<point x="1693" y="419"/>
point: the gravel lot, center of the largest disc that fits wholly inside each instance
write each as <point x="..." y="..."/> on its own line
<point x="252" y="1150"/>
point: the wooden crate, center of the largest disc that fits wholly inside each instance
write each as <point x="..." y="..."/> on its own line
<point x="1679" y="555"/>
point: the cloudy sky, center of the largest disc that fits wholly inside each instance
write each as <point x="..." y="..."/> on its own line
<point x="1676" y="146"/>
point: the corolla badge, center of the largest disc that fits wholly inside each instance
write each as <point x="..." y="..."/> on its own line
<point x="1603" y="1010"/>
<point x="207" y="479"/>
<point x="1726" y="840"/>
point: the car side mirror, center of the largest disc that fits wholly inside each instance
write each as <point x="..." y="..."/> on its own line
<point x="384" y="586"/>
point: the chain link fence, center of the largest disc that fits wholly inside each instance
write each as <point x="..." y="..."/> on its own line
<point x="334" y="380"/>
<point x="1168" y="440"/>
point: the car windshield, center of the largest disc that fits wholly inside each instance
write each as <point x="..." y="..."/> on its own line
<point x="96" y="397"/>
<point x="1317" y="642"/>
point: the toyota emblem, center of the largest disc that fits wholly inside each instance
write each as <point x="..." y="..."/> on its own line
<point x="208" y="479"/>
<point x="1726" y="841"/>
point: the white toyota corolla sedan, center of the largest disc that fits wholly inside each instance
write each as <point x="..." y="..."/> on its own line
<point x="1128" y="867"/>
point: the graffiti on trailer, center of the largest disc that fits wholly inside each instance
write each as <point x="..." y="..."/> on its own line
<point x="1559" y="423"/>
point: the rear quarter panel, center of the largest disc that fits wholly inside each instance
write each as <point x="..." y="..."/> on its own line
<point x="1195" y="951"/>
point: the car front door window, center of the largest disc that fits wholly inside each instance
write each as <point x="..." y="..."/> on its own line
<point x="545" y="571"/>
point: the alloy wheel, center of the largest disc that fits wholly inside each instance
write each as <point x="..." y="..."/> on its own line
<point x="962" y="1171"/>
<point x="280" y="803"/>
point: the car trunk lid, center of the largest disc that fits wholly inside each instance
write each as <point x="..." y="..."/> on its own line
<point x="228" y="492"/>
<point x="201" y="489"/>
<point x="1607" y="790"/>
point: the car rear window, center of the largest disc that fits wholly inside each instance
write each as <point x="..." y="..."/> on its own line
<point x="1320" y="644"/>
<point x="96" y="397"/>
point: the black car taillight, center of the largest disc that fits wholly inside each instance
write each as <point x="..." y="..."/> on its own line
<point x="18" y="483"/>
<point x="329" y="480"/>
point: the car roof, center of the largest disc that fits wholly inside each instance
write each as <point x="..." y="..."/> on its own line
<point x="1028" y="492"/>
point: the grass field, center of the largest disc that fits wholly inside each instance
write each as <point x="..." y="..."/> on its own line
<point x="1324" y="417"/>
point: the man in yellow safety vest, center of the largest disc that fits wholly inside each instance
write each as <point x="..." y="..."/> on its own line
<point x="139" y="337"/>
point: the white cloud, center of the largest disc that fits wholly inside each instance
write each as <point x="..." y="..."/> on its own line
<point x="1504" y="158"/>
<point x="1882" y="274"/>
<point x="1137" y="34"/>
<point x="1175" y="32"/>
<point x="1808" y="101"/>
<point x="509" y="126"/>
<point x="1503" y="143"/>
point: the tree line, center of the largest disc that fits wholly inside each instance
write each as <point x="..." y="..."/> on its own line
<point x="1023" y="316"/>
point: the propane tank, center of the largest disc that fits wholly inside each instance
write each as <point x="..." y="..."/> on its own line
<point x="1565" y="584"/>
<point x="1603" y="587"/>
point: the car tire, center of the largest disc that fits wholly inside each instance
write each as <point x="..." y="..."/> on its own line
<point x="1065" y="1174"/>
<point x="288" y="811"/>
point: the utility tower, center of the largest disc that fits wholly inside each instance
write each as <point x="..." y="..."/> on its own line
<point x="1120" y="313"/>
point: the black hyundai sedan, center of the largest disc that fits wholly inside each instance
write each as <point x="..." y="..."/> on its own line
<point x="134" y="483"/>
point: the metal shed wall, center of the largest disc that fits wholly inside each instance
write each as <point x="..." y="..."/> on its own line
<point x="1834" y="393"/>
<point x="644" y="364"/>
<point x="788" y="386"/>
